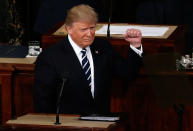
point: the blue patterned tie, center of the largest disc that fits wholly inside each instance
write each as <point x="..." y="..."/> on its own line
<point x="86" y="66"/>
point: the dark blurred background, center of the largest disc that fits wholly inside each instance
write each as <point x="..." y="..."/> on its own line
<point x="32" y="18"/>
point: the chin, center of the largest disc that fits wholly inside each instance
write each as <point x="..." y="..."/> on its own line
<point x="88" y="43"/>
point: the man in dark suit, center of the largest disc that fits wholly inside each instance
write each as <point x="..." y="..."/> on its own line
<point x="86" y="91"/>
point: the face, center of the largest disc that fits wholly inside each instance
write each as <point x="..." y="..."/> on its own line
<point x="82" y="33"/>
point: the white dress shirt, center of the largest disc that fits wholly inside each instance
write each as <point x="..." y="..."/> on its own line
<point x="138" y="51"/>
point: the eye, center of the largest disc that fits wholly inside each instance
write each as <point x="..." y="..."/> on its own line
<point x="83" y="29"/>
<point x="92" y="28"/>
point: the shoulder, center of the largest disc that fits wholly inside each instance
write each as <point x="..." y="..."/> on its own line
<point x="103" y="46"/>
<point x="56" y="48"/>
<point x="54" y="51"/>
<point x="101" y="43"/>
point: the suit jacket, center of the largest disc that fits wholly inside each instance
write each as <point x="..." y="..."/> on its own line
<point x="77" y="99"/>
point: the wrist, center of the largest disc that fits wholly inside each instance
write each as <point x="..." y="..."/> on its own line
<point x="139" y="47"/>
<point x="136" y="45"/>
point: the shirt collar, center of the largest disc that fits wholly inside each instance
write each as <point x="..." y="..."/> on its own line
<point x="75" y="46"/>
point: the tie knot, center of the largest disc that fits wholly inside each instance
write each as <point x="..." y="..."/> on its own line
<point x="83" y="51"/>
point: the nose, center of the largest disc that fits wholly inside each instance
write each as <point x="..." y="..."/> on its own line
<point x="89" y="32"/>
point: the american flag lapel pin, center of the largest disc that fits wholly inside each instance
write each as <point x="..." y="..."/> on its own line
<point x="96" y="52"/>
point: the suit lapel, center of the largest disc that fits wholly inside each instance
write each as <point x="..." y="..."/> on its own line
<point x="96" y="54"/>
<point x="74" y="65"/>
<point x="71" y="56"/>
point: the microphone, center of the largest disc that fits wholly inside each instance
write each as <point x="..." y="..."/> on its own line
<point x="110" y="16"/>
<point x="64" y="78"/>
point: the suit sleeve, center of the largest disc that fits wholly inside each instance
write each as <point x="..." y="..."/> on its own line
<point x="45" y="85"/>
<point x="126" y="67"/>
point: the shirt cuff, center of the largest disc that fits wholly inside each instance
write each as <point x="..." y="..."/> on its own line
<point x="138" y="51"/>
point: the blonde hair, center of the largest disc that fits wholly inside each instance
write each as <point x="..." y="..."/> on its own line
<point x="82" y="13"/>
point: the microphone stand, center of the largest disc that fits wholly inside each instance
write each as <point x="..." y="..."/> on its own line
<point x="59" y="101"/>
<point x="108" y="28"/>
<point x="110" y="16"/>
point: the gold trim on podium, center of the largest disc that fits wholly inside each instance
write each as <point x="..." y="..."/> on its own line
<point x="65" y="120"/>
<point x="171" y="28"/>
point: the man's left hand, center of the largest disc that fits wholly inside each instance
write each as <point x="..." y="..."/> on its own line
<point x="133" y="36"/>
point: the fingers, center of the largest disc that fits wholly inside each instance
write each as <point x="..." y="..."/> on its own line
<point x="133" y="36"/>
<point x="132" y="33"/>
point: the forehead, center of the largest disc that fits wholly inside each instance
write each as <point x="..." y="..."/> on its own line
<point x="82" y="24"/>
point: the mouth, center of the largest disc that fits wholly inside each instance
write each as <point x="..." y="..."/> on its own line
<point x="88" y="40"/>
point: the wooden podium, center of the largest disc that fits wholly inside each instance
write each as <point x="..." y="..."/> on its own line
<point x="45" y="122"/>
<point x="16" y="87"/>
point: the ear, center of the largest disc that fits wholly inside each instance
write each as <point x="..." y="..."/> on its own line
<point x="68" y="29"/>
